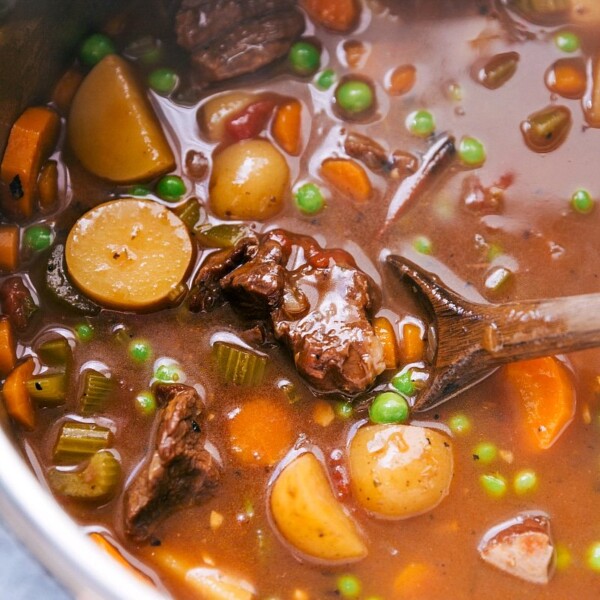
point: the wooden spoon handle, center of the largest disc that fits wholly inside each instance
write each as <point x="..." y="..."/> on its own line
<point x="521" y="330"/>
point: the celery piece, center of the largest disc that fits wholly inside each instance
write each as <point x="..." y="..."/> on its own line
<point x="96" y="481"/>
<point x="55" y="352"/>
<point x="48" y="389"/>
<point x="290" y="392"/>
<point x="221" y="236"/>
<point x="543" y="9"/>
<point x="177" y="294"/>
<point x="96" y="390"/>
<point x="78" y="441"/>
<point x="189" y="212"/>
<point x="238" y="365"/>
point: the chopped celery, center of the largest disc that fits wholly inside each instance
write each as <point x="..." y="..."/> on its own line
<point x="543" y="9"/>
<point x="96" y="481"/>
<point x="96" y="390"/>
<point x="177" y="294"/>
<point x="221" y="236"/>
<point x="238" y="365"/>
<point x="290" y="392"/>
<point x="48" y="389"/>
<point x="78" y="441"/>
<point x="189" y="212"/>
<point x="55" y="352"/>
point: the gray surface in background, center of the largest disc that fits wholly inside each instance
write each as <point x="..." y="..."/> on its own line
<point x="21" y="576"/>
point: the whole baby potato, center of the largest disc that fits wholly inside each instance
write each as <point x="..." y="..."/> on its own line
<point x="249" y="181"/>
<point x="399" y="471"/>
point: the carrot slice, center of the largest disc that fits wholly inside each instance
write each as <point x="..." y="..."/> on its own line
<point x="338" y="15"/>
<point x="9" y="247"/>
<point x="413" y="346"/>
<point x="260" y="431"/>
<point x="48" y="184"/>
<point x="8" y="347"/>
<point x="415" y="581"/>
<point x="348" y="177"/>
<point x="384" y="330"/>
<point x="107" y="547"/>
<point x="16" y="398"/>
<point x="547" y="398"/>
<point x="31" y="139"/>
<point x="286" y="126"/>
<point x="64" y="90"/>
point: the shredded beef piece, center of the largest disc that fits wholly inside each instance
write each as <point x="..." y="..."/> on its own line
<point x="318" y="308"/>
<point x="17" y="302"/>
<point x="180" y="471"/>
<point x="228" y="38"/>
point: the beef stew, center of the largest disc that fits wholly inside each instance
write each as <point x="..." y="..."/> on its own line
<point x="207" y="358"/>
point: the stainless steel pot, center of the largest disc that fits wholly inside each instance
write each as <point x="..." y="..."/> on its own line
<point x="36" y="38"/>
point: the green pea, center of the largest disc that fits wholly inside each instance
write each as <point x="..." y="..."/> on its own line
<point x="163" y="80"/>
<point x="354" y="96"/>
<point x="139" y="350"/>
<point x="460" y="423"/>
<point x="145" y="402"/>
<point x="423" y="245"/>
<point x="485" y="452"/>
<point x="95" y="48"/>
<point x="349" y="586"/>
<point x="582" y="202"/>
<point x="525" y="481"/>
<point x="38" y="237"/>
<point x="169" y="373"/>
<point x="309" y="199"/>
<point x="171" y="188"/>
<point x="389" y="407"/>
<point x="421" y="123"/>
<point x="567" y="41"/>
<point x="84" y="332"/>
<point x="494" y="484"/>
<point x="471" y="152"/>
<point x="326" y="79"/>
<point x="344" y="410"/>
<point x="563" y="557"/>
<point x="304" y="58"/>
<point x="592" y="556"/>
<point x="404" y="383"/>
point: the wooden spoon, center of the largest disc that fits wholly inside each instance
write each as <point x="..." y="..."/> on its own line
<point x="469" y="340"/>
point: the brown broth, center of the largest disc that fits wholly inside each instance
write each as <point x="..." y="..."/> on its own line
<point x="550" y="249"/>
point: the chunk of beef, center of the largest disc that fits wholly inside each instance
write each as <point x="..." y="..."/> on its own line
<point x="180" y="471"/>
<point x="521" y="547"/>
<point x="228" y="38"/>
<point x="17" y="302"/>
<point x="317" y="301"/>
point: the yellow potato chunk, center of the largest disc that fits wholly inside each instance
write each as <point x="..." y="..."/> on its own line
<point x="128" y="254"/>
<point x="309" y="516"/>
<point x="399" y="471"/>
<point x="249" y="181"/>
<point x="214" y="114"/>
<point x="112" y="128"/>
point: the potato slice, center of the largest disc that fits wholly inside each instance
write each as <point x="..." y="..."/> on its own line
<point x="128" y="254"/>
<point x="308" y="515"/>
<point x="113" y="129"/>
<point x="399" y="471"/>
<point x="249" y="181"/>
<point x="214" y="114"/>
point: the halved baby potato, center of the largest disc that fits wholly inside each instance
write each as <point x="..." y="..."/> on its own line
<point x="129" y="254"/>
<point x="399" y="471"/>
<point x="309" y="516"/>
<point x="112" y="127"/>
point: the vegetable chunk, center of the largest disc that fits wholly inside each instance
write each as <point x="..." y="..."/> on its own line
<point x="128" y="254"/>
<point x="31" y="140"/>
<point x="547" y="398"/>
<point x="308" y="515"/>
<point x="249" y="181"/>
<point x="113" y="129"/>
<point x="400" y="471"/>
